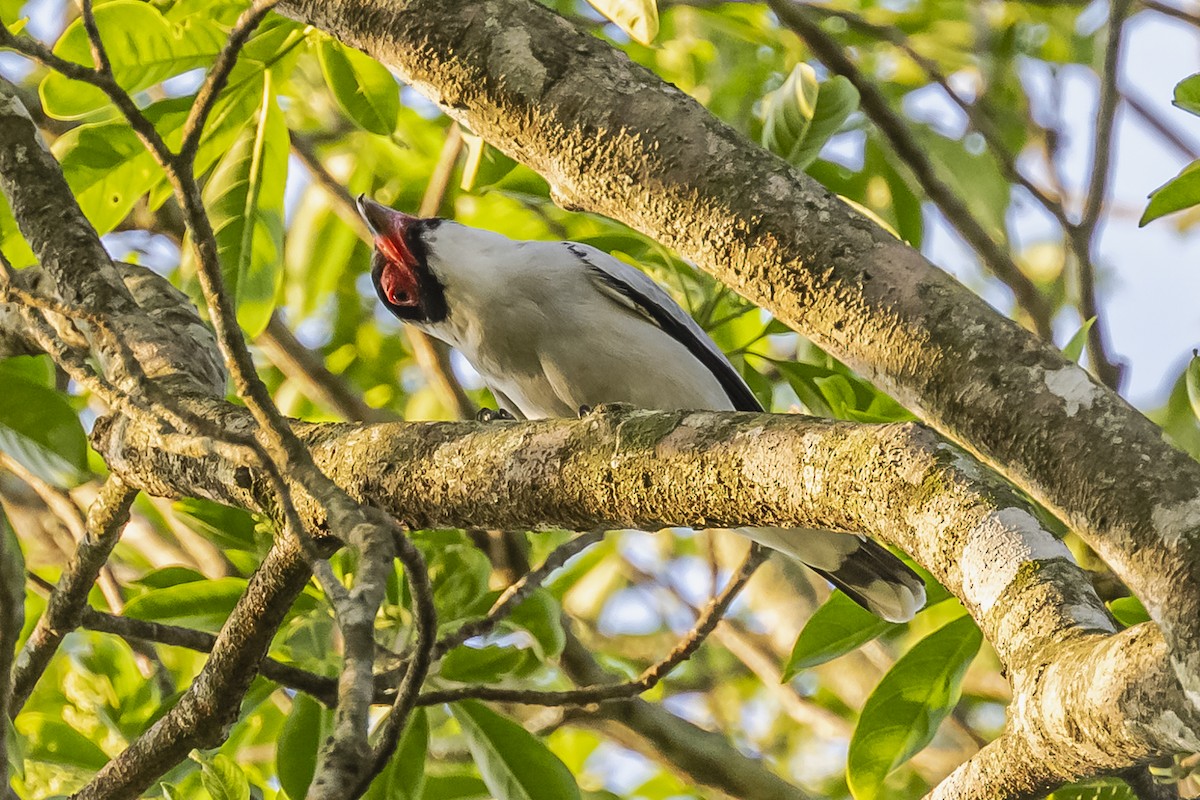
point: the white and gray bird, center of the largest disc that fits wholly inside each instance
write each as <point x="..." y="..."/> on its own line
<point x="555" y="326"/>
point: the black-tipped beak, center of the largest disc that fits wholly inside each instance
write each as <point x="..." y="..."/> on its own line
<point x="383" y="221"/>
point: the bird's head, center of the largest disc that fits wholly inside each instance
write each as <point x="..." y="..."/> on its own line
<point x="400" y="266"/>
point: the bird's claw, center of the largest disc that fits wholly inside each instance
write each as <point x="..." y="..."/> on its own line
<point x="492" y="414"/>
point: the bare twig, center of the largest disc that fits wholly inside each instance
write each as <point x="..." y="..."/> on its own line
<point x="1083" y="235"/>
<point x="1172" y="11"/>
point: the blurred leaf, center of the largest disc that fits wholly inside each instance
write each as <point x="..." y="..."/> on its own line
<point x="404" y="777"/>
<point x="40" y="429"/>
<point x="484" y="165"/>
<point x="837" y="627"/>
<point x="638" y="18"/>
<point x="1105" y="789"/>
<point x="245" y="201"/>
<point x="455" y="787"/>
<point x="50" y="740"/>
<point x="363" y="88"/>
<point x="903" y="712"/>
<point x="12" y="587"/>
<point x="222" y="778"/>
<point x="1187" y="94"/>
<point x="299" y="741"/>
<point x="1074" y="348"/>
<point x="514" y="763"/>
<point x="142" y="45"/>
<point x="1182" y="191"/>
<point x="1129" y="611"/>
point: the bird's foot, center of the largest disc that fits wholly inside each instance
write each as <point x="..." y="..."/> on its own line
<point x="492" y="414"/>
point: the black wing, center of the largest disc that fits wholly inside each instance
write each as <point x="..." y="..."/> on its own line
<point x="632" y="288"/>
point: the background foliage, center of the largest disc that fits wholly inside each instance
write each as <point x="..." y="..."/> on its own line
<point x="827" y="695"/>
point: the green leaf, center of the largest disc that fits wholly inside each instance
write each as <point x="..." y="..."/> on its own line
<point x="838" y="626"/>
<point x="299" y="740"/>
<point x="12" y="584"/>
<point x="1187" y="94"/>
<point x="789" y="110"/>
<point x="50" y="740"/>
<point x="1182" y="191"/>
<point x="903" y="712"/>
<point x="222" y="778"/>
<point x="202" y="603"/>
<point x="1105" y="789"/>
<point x="108" y="170"/>
<point x="245" y="201"/>
<point x="1129" y="611"/>
<point x="1074" y="348"/>
<point x="142" y="45"/>
<point x="455" y="787"/>
<point x="226" y="526"/>
<point x="40" y="429"/>
<point x="638" y="18"/>
<point x="482" y="664"/>
<point x="1191" y="379"/>
<point x="540" y="615"/>
<point x="362" y="87"/>
<point x="404" y="776"/>
<point x="514" y="763"/>
<point x="836" y="101"/>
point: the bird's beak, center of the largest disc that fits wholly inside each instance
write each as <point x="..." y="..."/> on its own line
<point x="385" y="223"/>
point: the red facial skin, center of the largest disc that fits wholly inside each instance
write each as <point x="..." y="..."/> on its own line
<point x="398" y="278"/>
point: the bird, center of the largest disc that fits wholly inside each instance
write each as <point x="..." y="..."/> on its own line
<point x="553" y="327"/>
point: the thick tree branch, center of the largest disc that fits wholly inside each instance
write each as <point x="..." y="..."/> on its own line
<point x="655" y="159"/>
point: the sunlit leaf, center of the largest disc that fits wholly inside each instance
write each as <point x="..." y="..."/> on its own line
<point x="50" y="740"/>
<point x="1129" y="611"/>
<point x="903" y="712"/>
<point x="142" y="45"/>
<point x="40" y="429"/>
<point x="514" y="763"/>
<point x="1182" y="191"/>
<point x="363" y="87"/>
<point x="1187" y="94"/>
<point x="837" y="627"/>
<point x="638" y="18"/>
<point x="222" y="778"/>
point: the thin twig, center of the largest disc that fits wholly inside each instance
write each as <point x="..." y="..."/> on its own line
<point x="515" y="594"/>
<point x="649" y="678"/>
<point x="218" y="76"/>
<point x="1139" y="106"/>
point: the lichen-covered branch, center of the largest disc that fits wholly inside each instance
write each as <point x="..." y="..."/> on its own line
<point x="654" y="158"/>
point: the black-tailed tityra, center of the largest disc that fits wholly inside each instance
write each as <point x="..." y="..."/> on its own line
<point x="555" y="326"/>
